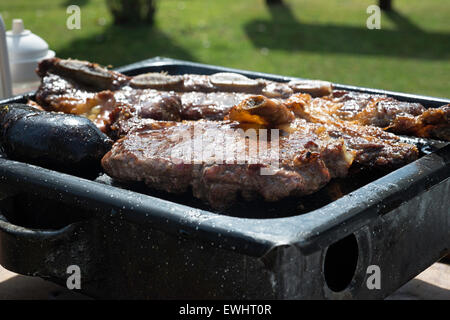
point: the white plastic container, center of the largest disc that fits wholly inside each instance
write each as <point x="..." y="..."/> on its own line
<point x="25" y="51"/>
<point x="5" y="74"/>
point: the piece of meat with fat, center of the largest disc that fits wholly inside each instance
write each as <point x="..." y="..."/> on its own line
<point x="157" y="153"/>
<point x="83" y="72"/>
<point x="57" y="93"/>
<point x="60" y="94"/>
<point x="210" y="106"/>
<point x="373" y="146"/>
<point x="152" y="104"/>
<point x="432" y="123"/>
<point x="157" y="107"/>
<point x="388" y="113"/>
<point x="261" y="111"/>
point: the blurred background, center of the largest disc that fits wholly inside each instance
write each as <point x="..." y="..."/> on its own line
<point x="323" y="39"/>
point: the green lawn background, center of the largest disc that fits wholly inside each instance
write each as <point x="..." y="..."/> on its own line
<point x="313" y="39"/>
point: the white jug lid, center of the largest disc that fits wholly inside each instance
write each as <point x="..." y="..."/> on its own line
<point x="23" y="45"/>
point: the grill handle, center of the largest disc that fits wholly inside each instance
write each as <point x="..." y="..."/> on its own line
<point x="6" y="227"/>
<point x="44" y="253"/>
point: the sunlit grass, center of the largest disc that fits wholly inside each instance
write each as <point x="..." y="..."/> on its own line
<point x="321" y="39"/>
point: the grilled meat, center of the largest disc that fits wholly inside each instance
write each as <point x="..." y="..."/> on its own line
<point x="60" y="94"/>
<point x="151" y="104"/>
<point x="84" y="88"/>
<point x="229" y="82"/>
<point x="310" y="154"/>
<point x="311" y="133"/>
<point x="164" y="156"/>
<point x="262" y="111"/>
<point x="387" y="113"/>
<point x="373" y="146"/>
<point x="83" y="72"/>
<point x="211" y="106"/>
<point x="73" y="86"/>
<point x="99" y="78"/>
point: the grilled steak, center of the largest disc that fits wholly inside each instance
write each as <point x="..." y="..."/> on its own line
<point x="164" y="156"/>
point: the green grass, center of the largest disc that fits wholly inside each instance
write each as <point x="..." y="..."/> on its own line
<point x="320" y="39"/>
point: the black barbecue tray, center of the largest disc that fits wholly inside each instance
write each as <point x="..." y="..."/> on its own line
<point x="130" y="242"/>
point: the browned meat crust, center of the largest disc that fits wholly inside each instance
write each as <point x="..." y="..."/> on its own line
<point x="192" y="105"/>
<point x="211" y="106"/>
<point x="83" y="72"/>
<point x="432" y="123"/>
<point x="308" y="159"/>
<point x="373" y="146"/>
<point x="387" y="113"/>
